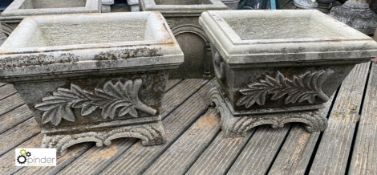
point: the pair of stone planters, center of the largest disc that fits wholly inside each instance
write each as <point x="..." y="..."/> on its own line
<point x="87" y="85"/>
<point x="183" y="18"/>
<point x="277" y="67"/>
<point x="20" y="9"/>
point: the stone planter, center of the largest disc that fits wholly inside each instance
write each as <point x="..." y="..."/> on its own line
<point x="19" y="9"/>
<point x="182" y="17"/>
<point x="272" y="65"/>
<point x="87" y="85"/>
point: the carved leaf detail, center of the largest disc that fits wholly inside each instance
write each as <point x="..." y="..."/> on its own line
<point x="305" y="87"/>
<point x="119" y="99"/>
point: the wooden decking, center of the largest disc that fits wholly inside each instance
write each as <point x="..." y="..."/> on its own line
<point x="195" y="144"/>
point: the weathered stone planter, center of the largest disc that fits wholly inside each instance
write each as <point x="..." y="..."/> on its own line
<point x="19" y="9"/>
<point x="272" y="65"/>
<point x="87" y="85"/>
<point x="182" y="17"/>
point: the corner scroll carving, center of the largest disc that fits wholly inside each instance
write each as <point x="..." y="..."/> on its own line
<point x="304" y="87"/>
<point x="119" y="99"/>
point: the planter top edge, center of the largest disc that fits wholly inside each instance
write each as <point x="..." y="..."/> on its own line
<point x="150" y="5"/>
<point x="16" y="11"/>
<point x="238" y="49"/>
<point x="157" y="49"/>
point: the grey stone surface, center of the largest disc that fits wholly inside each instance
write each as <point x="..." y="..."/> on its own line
<point x="182" y="17"/>
<point x="232" y="4"/>
<point x="92" y="84"/>
<point x="19" y="9"/>
<point x="134" y="5"/>
<point x="357" y="14"/>
<point x="281" y="61"/>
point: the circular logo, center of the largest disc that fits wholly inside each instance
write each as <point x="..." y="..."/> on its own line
<point x="21" y="159"/>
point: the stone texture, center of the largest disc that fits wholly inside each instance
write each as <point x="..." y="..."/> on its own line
<point x="87" y="85"/>
<point x="182" y="17"/>
<point x="19" y="9"/>
<point x="232" y="4"/>
<point x="281" y="61"/>
<point x="134" y="5"/>
<point x="357" y="14"/>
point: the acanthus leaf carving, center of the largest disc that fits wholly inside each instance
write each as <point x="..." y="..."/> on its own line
<point x="304" y="87"/>
<point x="119" y="99"/>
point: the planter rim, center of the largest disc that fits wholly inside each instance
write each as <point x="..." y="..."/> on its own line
<point x="195" y="9"/>
<point x="14" y="11"/>
<point x="160" y="52"/>
<point x="352" y="46"/>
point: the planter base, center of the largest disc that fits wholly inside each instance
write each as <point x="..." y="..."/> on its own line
<point x="149" y="133"/>
<point x="237" y="126"/>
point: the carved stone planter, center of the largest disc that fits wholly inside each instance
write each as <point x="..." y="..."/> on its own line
<point x="19" y="9"/>
<point x="182" y="17"/>
<point x="87" y="85"/>
<point x="272" y="66"/>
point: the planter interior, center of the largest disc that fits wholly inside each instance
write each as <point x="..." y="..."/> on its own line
<point x="40" y="4"/>
<point x="61" y="57"/>
<point x="271" y="62"/>
<point x="19" y="9"/>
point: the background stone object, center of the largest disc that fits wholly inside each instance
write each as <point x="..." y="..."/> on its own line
<point x="106" y="6"/>
<point x="182" y="17"/>
<point x="134" y="5"/>
<point x="280" y="62"/>
<point x="19" y="9"/>
<point x="232" y="4"/>
<point x="357" y="14"/>
<point x="86" y="85"/>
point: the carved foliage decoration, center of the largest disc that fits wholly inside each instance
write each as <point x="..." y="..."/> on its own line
<point x="304" y="87"/>
<point x="119" y="99"/>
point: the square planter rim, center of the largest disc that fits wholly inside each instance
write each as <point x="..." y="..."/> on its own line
<point x="13" y="11"/>
<point x="169" y="53"/>
<point x="233" y="48"/>
<point x="165" y="36"/>
<point x="150" y="5"/>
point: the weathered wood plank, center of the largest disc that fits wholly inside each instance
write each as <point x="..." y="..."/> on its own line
<point x="172" y="83"/>
<point x="180" y="156"/>
<point x="2" y="37"/>
<point x="333" y="151"/>
<point x="364" y="156"/>
<point x="96" y="159"/>
<point x="259" y="152"/>
<point x="6" y="91"/>
<point x="297" y="149"/>
<point x="7" y="160"/>
<point x="137" y="158"/>
<point x="14" y="117"/>
<point x="18" y="134"/>
<point x="10" y="103"/>
<point x="223" y="150"/>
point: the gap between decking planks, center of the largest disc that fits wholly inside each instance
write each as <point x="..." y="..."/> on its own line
<point x="289" y="150"/>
